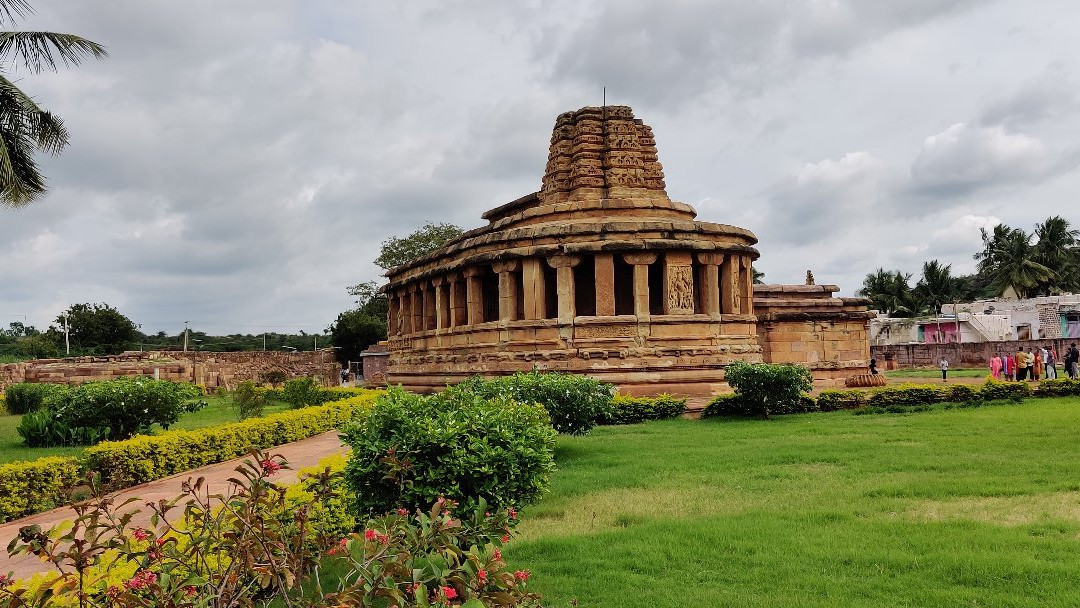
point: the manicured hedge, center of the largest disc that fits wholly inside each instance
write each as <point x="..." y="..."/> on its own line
<point x="625" y="409"/>
<point x="37" y="485"/>
<point x="846" y="399"/>
<point x="734" y="404"/>
<point x="149" y="457"/>
<point x="1061" y="387"/>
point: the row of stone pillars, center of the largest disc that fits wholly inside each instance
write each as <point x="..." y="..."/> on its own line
<point x="725" y="286"/>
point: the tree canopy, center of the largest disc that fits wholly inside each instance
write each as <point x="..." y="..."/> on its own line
<point x="27" y="129"/>
<point x="1045" y="262"/>
<point x="356" y="329"/>
<point x="98" y="328"/>
<point x="396" y="251"/>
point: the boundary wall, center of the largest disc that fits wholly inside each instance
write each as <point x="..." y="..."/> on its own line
<point x="973" y="354"/>
<point x="209" y="369"/>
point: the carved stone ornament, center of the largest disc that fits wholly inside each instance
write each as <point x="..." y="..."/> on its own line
<point x="680" y="288"/>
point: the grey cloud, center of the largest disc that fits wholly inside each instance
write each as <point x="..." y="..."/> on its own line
<point x="1051" y="96"/>
<point x="821" y="198"/>
<point x="962" y="160"/>
<point x="667" y="53"/>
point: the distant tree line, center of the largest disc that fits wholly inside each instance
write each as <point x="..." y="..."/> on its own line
<point x="100" y="329"/>
<point x="1045" y="262"/>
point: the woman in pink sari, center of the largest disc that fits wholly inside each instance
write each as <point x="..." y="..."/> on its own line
<point x="995" y="367"/>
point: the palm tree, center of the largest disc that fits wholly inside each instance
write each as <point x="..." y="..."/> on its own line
<point x="25" y="128"/>
<point x="936" y="287"/>
<point x="1011" y="263"/>
<point x="889" y="292"/>
<point x="1056" y="248"/>
<point x="759" y="277"/>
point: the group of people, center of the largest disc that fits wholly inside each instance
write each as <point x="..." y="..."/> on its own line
<point x="1033" y="364"/>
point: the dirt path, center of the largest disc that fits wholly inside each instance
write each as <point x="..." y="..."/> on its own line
<point x="300" y="454"/>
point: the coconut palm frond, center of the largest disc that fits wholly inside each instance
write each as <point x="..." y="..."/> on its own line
<point x="13" y="10"/>
<point x="39" y="51"/>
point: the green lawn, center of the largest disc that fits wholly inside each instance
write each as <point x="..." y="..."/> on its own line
<point x="959" y="372"/>
<point x="960" y="507"/>
<point x="216" y="412"/>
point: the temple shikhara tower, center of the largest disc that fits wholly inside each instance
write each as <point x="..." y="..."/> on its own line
<point x="601" y="273"/>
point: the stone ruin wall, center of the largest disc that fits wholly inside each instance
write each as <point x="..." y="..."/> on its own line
<point x="213" y="370"/>
<point x="967" y="354"/>
<point x="805" y="324"/>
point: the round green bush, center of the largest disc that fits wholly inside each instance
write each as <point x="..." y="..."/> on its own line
<point x="573" y="401"/>
<point x="410" y="450"/>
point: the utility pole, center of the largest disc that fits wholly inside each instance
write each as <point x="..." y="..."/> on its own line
<point x="67" y="340"/>
<point x="185" y="335"/>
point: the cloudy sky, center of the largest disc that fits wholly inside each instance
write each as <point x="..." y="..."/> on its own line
<point x="237" y="164"/>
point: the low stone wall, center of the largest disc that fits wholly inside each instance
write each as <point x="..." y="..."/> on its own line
<point x="805" y="324"/>
<point x="974" y="354"/>
<point x="209" y="369"/>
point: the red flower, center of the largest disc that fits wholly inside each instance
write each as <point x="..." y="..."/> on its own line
<point x="403" y="512"/>
<point x="522" y="575"/>
<point x="139" y="534"/>
<point x="513" y="513"/>
<point x="4" y="581"/>
<point x="449" y="592"/>
<point x="370" y="534"/>
<point x="411" y="588"/>
<point x="159" y="541"/>
<point x="142" y="579"/>
<point x="382" y="538"/>
<point x="191" y="590"/>
<point x="269" y="467"/>
<point x="481" y="575"/>
<point x="113" y="591"/>
<point x="497" y="555"/>
<point x="506" y="538"/>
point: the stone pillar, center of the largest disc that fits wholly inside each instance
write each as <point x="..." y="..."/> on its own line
<point x="564" y="285"/>
<point x="532" y="281"/>
<point x="458" y="311"/>
<point x="710" y="282"/>
<point x="507" y="289"/>
<point x="678" y="283"/>
<point x="474" y="296"/>
<point x="729" y="285"/>
<point x="442" y="312"/>
<point x="746" y="287"/>
<point x="391" y="314"/>
<point x="640" y="261"/>
<point x="429" y="306"/>
<point x="604" y="265"/>
<point x="415" y="320"/>
<point x="402" y="314"/>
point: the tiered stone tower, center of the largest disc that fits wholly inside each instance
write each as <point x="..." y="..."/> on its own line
<point x="599" y="272"/>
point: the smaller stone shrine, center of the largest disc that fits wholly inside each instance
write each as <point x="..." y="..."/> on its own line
<point x="601" y="273"/>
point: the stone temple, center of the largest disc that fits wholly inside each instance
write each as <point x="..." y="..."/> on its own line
<point x="601" y="273"/>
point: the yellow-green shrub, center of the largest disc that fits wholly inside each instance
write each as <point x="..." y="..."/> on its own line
<point x="3" y="405"/>
<point x="149" y="457"/>
<point x="37" y="485"/>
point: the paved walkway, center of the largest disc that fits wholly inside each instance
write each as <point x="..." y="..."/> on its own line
<point x="300" y="454"/>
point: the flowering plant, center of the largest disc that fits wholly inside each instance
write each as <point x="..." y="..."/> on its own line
<point x="253" y="546"/>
